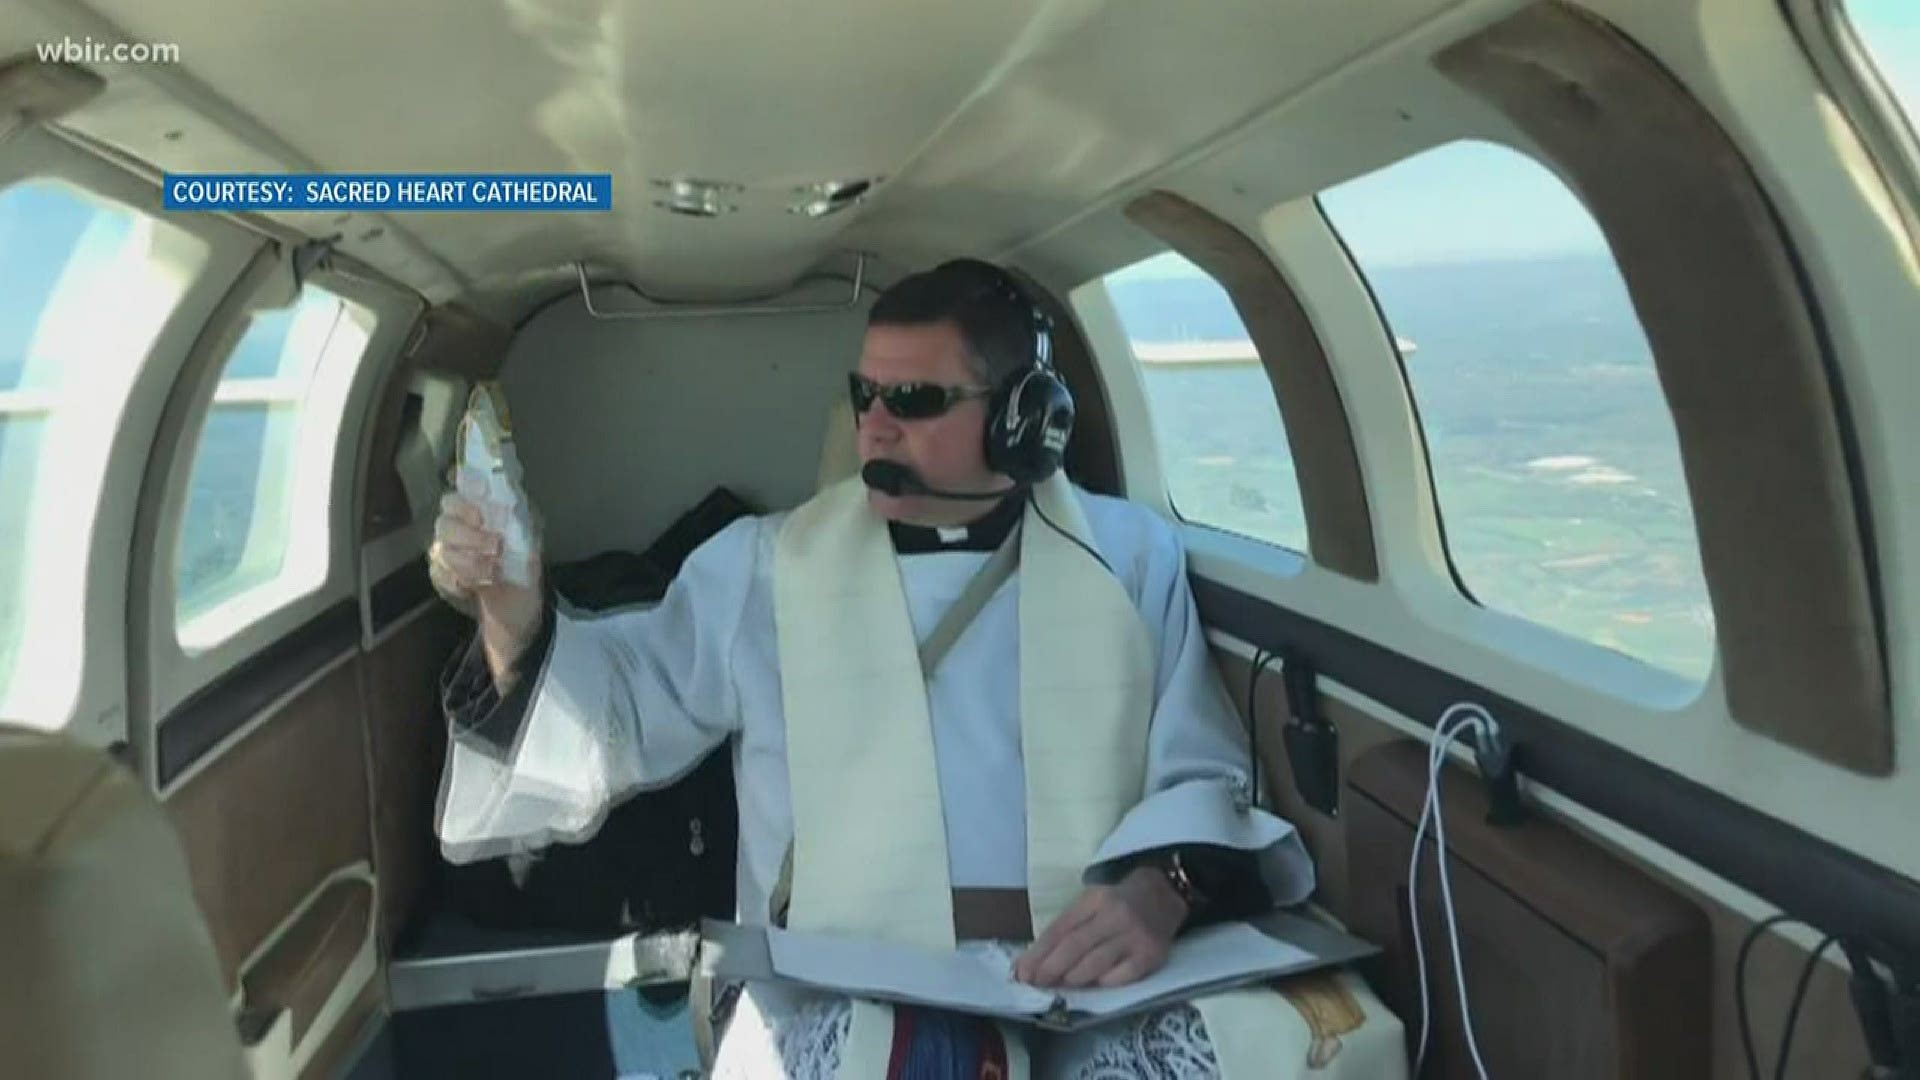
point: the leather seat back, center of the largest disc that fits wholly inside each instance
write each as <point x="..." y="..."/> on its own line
<point x="839" y="450"/>
<point x="110" y="969"/>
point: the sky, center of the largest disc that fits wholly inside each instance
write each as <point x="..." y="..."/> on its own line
<point x="1478" y="201"/>
<point x="1462" y="201"/>
<point x="1891" y="30"/>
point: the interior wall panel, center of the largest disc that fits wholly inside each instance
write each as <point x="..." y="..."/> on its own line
<point x="1828" y="1040"/>
<point x="624" y="425"/>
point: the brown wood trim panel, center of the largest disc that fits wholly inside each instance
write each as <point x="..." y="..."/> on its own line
<point x="1582" y="966"/>
<point x="1806" y="876"/>
<point x="1325" y="835"/>
<point x="1319" y="434"/>
<point x="1741" y="355"/>
<point x="1829" y="1041"/>
<point x="281" y="810"/>
<point x="224" y="706"/>
<point x="334" y="1058"/>
<point x="408" y="738"/>
<point x="302" y="969"/>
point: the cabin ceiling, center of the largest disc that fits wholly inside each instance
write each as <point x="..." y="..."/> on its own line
<point x="991" y="121"/>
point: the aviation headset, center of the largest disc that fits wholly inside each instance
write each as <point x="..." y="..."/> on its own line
<point x="1030" y="414"/>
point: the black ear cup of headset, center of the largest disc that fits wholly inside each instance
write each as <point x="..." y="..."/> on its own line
<point x="1030" y="416"/>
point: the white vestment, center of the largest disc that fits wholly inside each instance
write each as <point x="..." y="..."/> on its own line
<point x="633" y="700"/>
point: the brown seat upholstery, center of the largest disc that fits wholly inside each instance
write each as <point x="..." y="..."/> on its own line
<point x="110" y="970"/>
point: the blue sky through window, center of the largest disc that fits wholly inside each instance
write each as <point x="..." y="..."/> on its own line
<point x="1891" y="31"/>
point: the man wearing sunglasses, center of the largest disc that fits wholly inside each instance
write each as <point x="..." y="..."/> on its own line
<point x="885" y="783"/>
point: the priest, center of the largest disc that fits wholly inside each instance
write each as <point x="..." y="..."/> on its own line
<point x="966" y="701"/>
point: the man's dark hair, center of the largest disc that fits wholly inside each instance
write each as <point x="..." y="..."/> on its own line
<point x="975" y="296"/>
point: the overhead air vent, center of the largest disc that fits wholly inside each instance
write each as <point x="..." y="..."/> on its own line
<point x="832" y="196"/>
<point x="697" y="198"/>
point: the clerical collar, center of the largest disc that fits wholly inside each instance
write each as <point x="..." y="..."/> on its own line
<point x="984" y="533"/>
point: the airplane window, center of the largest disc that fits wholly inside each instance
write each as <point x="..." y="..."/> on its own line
<point x="255" y="531"/>
<point x="1227" y="461"/>
<point x="1555" y="463"/>
<point x="1890" y="30"/>
<point x="85" y="286"/>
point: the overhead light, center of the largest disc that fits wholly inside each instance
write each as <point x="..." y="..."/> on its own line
<point x="702" y="208"/>
<point x="697" y="198"/>
<point x="832" y="196"/>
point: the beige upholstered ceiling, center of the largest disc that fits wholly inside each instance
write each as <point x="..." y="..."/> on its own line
<point x="991" y="120"/>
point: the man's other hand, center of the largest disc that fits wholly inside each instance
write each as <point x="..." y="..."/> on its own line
<point x="1113" y="935"/>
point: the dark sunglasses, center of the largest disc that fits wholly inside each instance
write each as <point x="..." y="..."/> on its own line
<point x="909" y="400"/>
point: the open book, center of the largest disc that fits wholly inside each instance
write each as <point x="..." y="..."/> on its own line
<point x="978" y="978"/>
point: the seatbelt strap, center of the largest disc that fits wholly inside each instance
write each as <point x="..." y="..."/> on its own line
<point x="985" y="583"/>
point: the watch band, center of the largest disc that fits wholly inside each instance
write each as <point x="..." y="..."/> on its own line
<point x="1175" y="869"/>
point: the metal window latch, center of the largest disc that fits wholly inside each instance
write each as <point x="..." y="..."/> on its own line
<point x="311" y="255"/>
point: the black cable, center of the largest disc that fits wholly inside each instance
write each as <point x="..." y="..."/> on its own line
<point x="1800" y="988"/>
<point x="1873" y="1005"/>
<point x="1257" y="665"/>
<point x="1740" y="988"/>
<point x="1799" y="999"/>
<point x="1079" y="543"/>
<point x="1262" y="659"/>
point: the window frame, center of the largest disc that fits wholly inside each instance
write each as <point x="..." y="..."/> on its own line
<point x="1512" y="627"/>
<point x="176" y="670"/>
<point x="1845" y="65"/>
<point x="94" y="700"/>
<point x="1808" y="169"/>
<point x="1418" y="422"/>
<point x="1141" y="462"/>
<point x="1125" y="346"/>
<point x="1415" y="589"/>
<point x="199" y="631"/>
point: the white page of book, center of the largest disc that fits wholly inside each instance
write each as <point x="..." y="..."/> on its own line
<point x="979" y="977"/>
<point x="973" y="978"/>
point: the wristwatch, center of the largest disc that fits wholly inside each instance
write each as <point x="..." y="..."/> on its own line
<point x="1175" y="869"/>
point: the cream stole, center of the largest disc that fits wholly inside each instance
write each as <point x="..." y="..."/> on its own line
<point x="870" y="850"/>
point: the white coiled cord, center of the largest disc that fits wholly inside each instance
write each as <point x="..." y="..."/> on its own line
<point x="1458" y="718"/>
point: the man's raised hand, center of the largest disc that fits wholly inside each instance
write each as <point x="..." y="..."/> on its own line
<point x="1113" y="935"/>
<point x="465" y="565"/>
